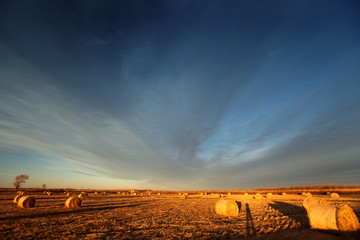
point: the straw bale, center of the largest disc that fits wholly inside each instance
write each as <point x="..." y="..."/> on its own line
<point x="340" y="218"/>
<point x="258" y="196"/>
<point x="16" y="199"/>
<point x="334" y="195"/>
<point x="346" y="219"/>
<point x="73" y="202"/>
<point x="82" y="196"/>
<point x="26" y="202"/>
<point x="322" y="217"/>
<point x="227" y="207"/>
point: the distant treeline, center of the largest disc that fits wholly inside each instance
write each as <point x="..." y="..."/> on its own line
<point x="316" y="187"/>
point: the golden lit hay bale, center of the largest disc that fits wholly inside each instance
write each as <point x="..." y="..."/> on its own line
<point x="334" y="195"/>
<point x="73" y="202"/>
<point x="95" y="193"/>
<point x="16" y="199"/>
<point x="333" y="218"/>
<point x="246" y="194"/>
<point x="49" y="193"/>
<point x="258" y="196"/>
<point x="185" y="196"/>
<point x="26" y="202"/>
<point x="180" y="194"/>
<point x="44" y="192"/>
<point x="149" y="193"/>
<point x="159" y="194"/>
<point x="309" y="202"/>
<point x="217" y="195"/>
<point x="134" y="193"/>
<point x="69" y="194"/>
<point x="284" y="194"/>
<point x="229" y="193"/>
<point x="269" y="195"/>
<point x="346" y="219"/>
<point x="304" y="194"/>
<point x="141" y="194"/>
<point x="82" y="196"/>
<point x="227" y="207"/>
<point x="308" y="194"/>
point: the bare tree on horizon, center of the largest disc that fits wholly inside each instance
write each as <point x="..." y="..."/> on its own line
<point x="19" y="180"/>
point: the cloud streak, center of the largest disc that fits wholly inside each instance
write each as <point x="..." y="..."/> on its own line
<point x="201" y="106"/>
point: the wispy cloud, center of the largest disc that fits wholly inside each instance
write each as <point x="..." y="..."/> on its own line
<point x="214" y="107"/>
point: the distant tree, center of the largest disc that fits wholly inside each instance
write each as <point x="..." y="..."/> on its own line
<point x="19" y="180"/>
<point x="44" y="186"/>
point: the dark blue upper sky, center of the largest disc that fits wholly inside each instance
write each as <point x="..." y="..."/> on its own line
<point x="180" y="94"/>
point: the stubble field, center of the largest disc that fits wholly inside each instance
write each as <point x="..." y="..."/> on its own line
<point x="166" y="216"/>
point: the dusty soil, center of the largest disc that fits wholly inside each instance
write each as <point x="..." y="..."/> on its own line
<point x="161" y="217"/>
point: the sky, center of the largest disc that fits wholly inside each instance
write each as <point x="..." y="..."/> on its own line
<point x="183" y="95"/>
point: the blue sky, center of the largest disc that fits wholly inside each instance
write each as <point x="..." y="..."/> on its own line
<point x="180" y="94"/>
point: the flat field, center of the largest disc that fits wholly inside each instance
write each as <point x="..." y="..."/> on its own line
<point x="165" y="216"/>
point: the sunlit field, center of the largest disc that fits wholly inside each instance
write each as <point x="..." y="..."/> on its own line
<point x="168" y="215"/>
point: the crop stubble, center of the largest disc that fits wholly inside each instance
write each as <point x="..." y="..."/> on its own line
<point x="156" y="217"/>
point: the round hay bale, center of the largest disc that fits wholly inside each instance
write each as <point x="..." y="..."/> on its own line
<point x="73" y="202"/>
<point x="26" y="202"/>
<point x="229" y="193"/>
<point x="49" y="193"/>
<point x="246" y="194"/>
<point x="335" y="195"/>
<point x="346" y="219"/>
<point x="342" y="218"/>
<point x="269" y="195"/>
<point x="82" y="196"/>
<point x="322" y="217"/>
<point x="149" y="193"/>
<point x="16" y="199"/>
<point x="284" y="194"/>
<point x="227" y="207"/>
<point x="258" y="196"/>
<point x="185" y="196"/>
<point x="159" y="194"/>
<point x="308" y="194"/>
<point x="304" y="194"/>
<point x="217" y="195"/>
<point x="96" y="193"/>
<point x="180" y="194"/>
<point x="309" y="202"/>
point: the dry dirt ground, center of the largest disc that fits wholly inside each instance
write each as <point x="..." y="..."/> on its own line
<point x="115" y="216"/>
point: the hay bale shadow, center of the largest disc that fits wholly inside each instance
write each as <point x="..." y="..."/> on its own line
<point x="295" y="212"/>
